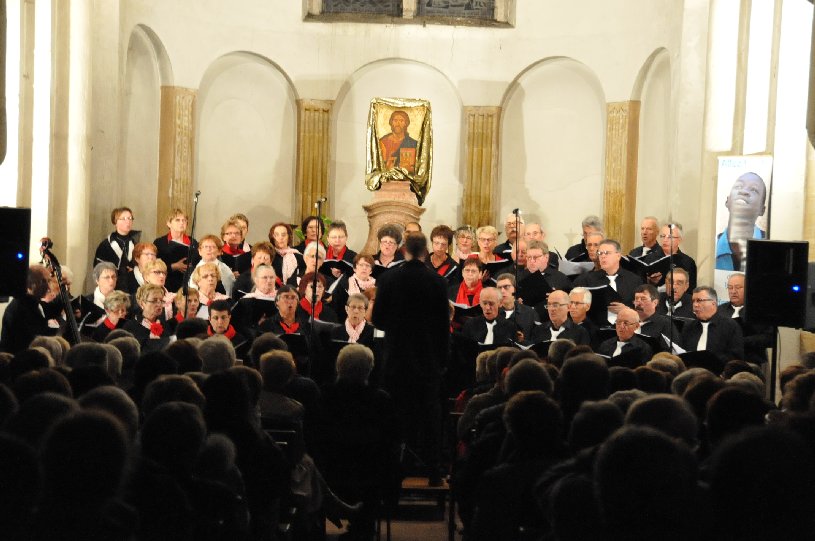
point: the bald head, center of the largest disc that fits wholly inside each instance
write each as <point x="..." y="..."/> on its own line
<point x="628" y="321"/>
<point x="557" y="305"/>
<point x="489" y="300"/>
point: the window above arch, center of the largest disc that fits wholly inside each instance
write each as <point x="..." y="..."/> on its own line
<point x="489" y="13"/>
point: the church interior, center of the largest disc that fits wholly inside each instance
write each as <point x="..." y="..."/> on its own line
<point x="616" y="108"/>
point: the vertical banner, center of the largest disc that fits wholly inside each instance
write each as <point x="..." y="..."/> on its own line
<point x="743" y="212"/>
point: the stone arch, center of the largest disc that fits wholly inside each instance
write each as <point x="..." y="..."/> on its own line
<point x="553" y="147"/>
<point x="652" y="88"/>
<point x="245" y="142"/>
<point x="147" y="69"/>
<point x="395" y="77"/>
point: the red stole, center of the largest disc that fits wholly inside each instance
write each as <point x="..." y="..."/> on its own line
<point x="227" y="249"/>
<point x="289" y="329"/>
<point x="331" y="255"/>
<point x="318" y="309"/>
<point x="230" y="332"/>
<point x="184" y="239"/>
<point x="464" y="294"/>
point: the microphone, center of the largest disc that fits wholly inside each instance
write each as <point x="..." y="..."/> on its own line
<point x="197" y="193"/>
<point x="320" y="200"/>
<point x="516" y="212"/>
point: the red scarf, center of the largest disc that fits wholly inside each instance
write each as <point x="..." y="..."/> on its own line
<point x="179" y="317"/>
<point x="109" y="324"/>
<point x="289" y="329"/>
<point x="156" y="329"/>
<point x="227" y="249"/>
<point x="184" y="238"/>
<point x="464" y="293"/>
<point x="318" y="309"/>
<point x="230" y="332"/>
<point x="443" y="269"/>
<point x="331" y="255"/>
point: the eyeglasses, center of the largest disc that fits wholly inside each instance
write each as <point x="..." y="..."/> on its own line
<point x="388" y="242"/>
<point x="125" y="219"/>
<point x="356" y="307"/>
<point x="533" y="257"/>
<point x="700" y="301"/>
<point x="486" y="239"/>
<point x="555" y="305"/>
<point x="576" y="303"/>
<point x="734" y="288"/>
<point x="606" y="252"/>
<point x="290" y="298"/>
<point x="663" y="237"/>
<point x="626" y="323"/>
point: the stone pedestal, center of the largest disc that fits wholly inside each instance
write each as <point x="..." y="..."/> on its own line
<point x="393" y="203"/>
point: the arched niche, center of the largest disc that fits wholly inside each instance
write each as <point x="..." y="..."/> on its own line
<point x="552" y="147"/>
<point x="653" y="89"/>
<point x="147" y="69"/>
<point x="388" y="79"/>
<point x="246" y="137"/>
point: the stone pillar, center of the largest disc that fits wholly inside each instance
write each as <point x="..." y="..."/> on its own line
<point x="313" y="122"/>
<point x="393" y="203"/>
<point x="620" y="193"/>
<point x="175" y="154"/>
<point x="481" y="169"/>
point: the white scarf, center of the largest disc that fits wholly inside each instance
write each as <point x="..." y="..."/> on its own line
<point x="255" y="294"/>
<point x="289" y="263"/>
<point x="355" y="285"/>
<point x="354" y="332"/>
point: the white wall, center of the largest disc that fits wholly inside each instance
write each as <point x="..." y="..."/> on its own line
<point x="654" y="158"/>
<point x="245" y="144"/>
<point x="140" y="140"/>
<point x="250" y="59"/>
<point x="552" y="148"/>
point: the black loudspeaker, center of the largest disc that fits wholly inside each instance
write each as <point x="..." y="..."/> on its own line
<point x="15" y="228"/>
<point x="776" y="283"/>
<point x="810" y="301"/>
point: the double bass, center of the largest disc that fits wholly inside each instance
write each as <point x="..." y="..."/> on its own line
<point x="50" y="260"/>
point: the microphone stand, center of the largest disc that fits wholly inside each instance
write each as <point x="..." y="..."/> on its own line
<point x="517" y="213"/>
<point x="319" y="206"/>
<point x="314" y="281"/>
<point x="671" y="296"/>
<point x="185" y="285"/>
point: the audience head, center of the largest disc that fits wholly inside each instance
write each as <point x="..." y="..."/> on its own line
<point x="527" y="375"/>
<point x="171" y="388"/>
<point x="666" y="413"/>
<point x="84" y="458"/>
<point x="593" y="423"/>
<point x="646" y="485"/>
<point x="116" y="402"/>
<point x="761" y="486"/>
<point x="354" y="364"/>
<point x="277" y="368"/>
<point x="535" y="422"/>
<point x="217" y="354"/>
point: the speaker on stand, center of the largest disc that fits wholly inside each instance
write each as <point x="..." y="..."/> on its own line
<point x="775" y="291"/>
<point x="15" y="223"/>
